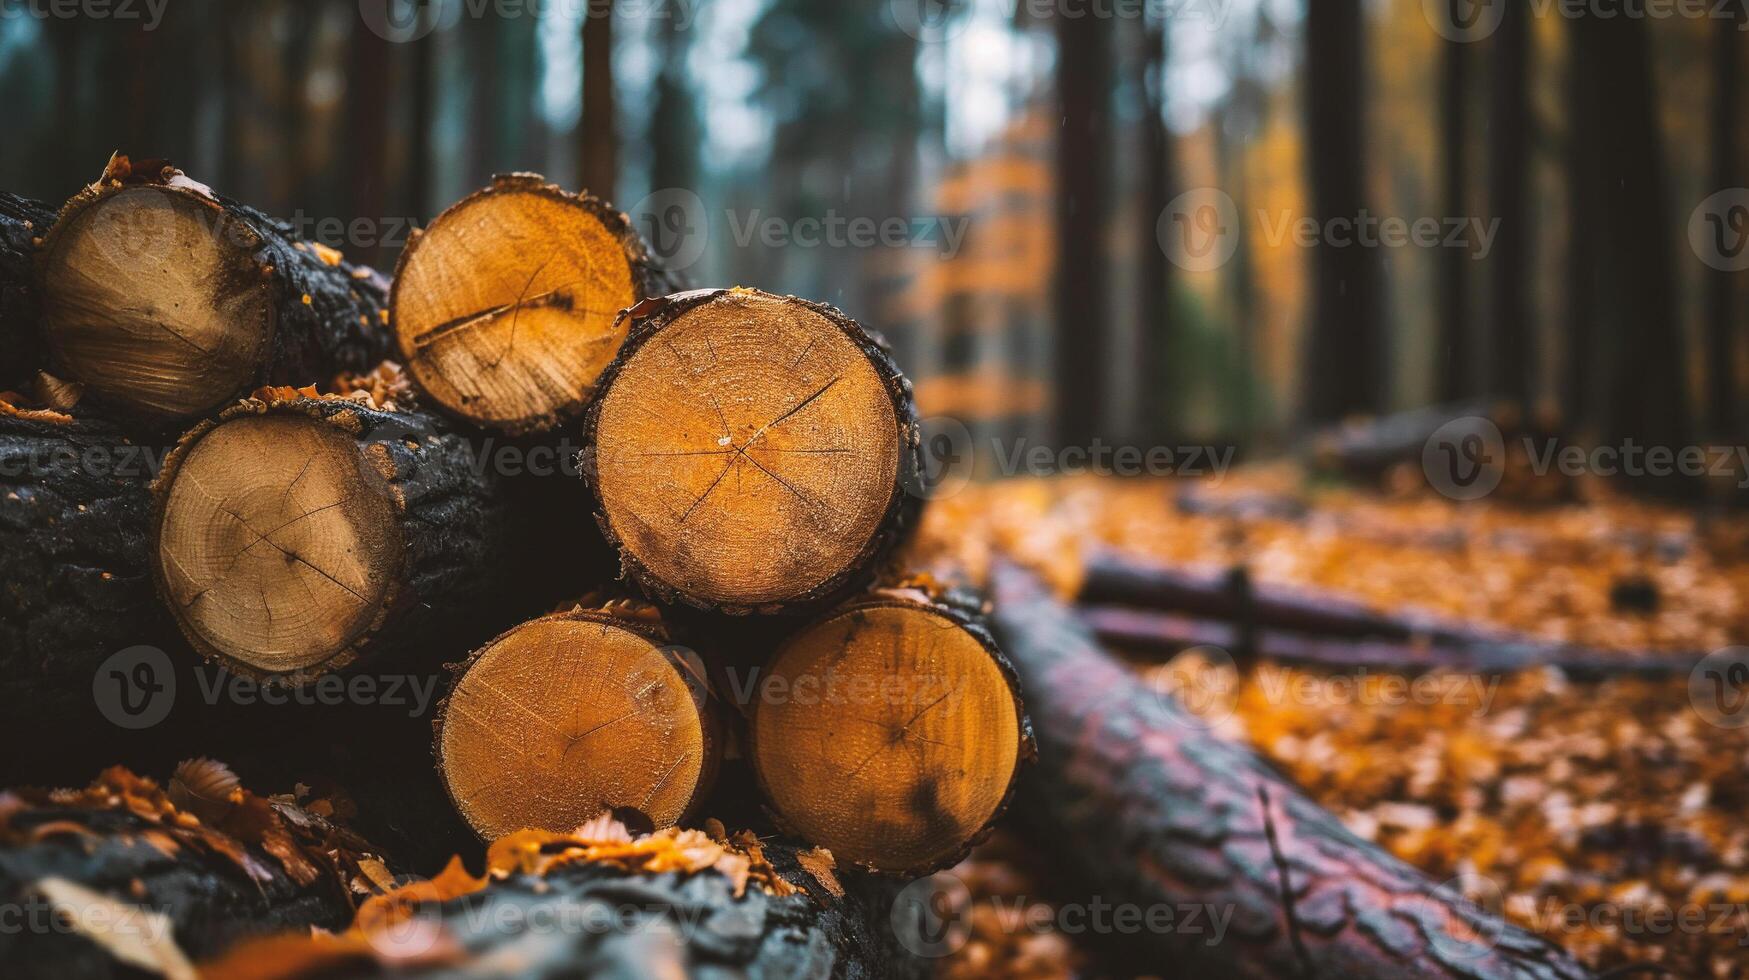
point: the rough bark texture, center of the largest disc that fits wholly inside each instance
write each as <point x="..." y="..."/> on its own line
<point x="637" y="924"/>
<point x="22" y="221"/>
<point x="75" y="585"/>
<point x="1134" y="792"/>
<point x="122" y="840"/>
<point x="648" y="320"/>
<point x="459" y="540"/>
<point x="328" y="314"/>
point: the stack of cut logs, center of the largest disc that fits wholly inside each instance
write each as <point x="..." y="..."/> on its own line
<point x="745" y="455"/>
<point x="210" y="447"/>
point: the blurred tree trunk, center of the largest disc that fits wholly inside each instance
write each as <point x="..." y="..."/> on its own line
<point x="1510" y="350"/>
<point x="1584" y="197"/>
<point x="485" y="77"/>
<point x="1456" y="380"/>
<point x="1158" y="421"/>
<point x="597" y="130"/>
<point x="1082" y="333"/>
<point x="417" y="184"/>
<point x="1726" y="172"/>
<point x="1647" y="400"/>
<point x="1344" y="356"/>
<point x="674" y="129"/>
<point x="367" y="121"/>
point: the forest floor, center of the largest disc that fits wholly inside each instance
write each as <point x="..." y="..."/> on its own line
<point x="1604" y="814"/>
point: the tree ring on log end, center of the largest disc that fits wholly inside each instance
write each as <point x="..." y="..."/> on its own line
<point x="568" y="715"/>
<point x="747" y="452"/>
<point x="279" y="544"/>
<point x="504" y="308"/>
<point x="889" y="734"/>
<point x="155" y="298"/>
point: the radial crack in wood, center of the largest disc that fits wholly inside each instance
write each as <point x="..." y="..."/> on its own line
<point x="748" y="450"/>
<point x="570" y="714"/>
<point x="504" y="308"/>
<point x="890" y="733"/>
<point x="296" y="534"/>
<point x="279" y="544"/>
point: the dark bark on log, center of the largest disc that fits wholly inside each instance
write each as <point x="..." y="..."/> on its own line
<point x="22" y="221"/>
<point x="456" y="572"/>
<point x="1133" y="791"/>
<point x="1148" y="630"/>
<point x="327" y="314"/>
<point x="634" y="924"/>
<point x="1313" y="627"/>
<point x="74" y="560"/>
<point x="1231" y="595"/>
<point x="210" y="887"/>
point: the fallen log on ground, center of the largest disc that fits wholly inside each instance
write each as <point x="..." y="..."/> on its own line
<point x="295" y="535"/>
<point x="22" y="222"/>
<point x="505" y="309"/>
<point x="1231" y="595"/>
<point x="598" y="902"/>
<point x="1367" y="447"/>
<point x="1157" y="810"/>
<point x="124" y="876"/>
<point x="890" y="732"/>
<point x="1157" y="606"/>
<point x="1154" y="631"/>
<point x="167" y="300"/>
<point x="574" y="713"/>
<point x="750" y="452"/>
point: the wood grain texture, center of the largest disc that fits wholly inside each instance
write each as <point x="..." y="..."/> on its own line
<point x="750" y="452"/>
<point x="889" y="732"/>
<point x="504" y="309"/>
<point x="296" y="536"/>
<point x="167" y="300"/>
<point x="574" y="713"/>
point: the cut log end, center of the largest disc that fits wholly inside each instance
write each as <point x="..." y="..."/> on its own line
<point x="747" y="451"/>
<point x="504" y="308"/>
<point x="278" y="543"/>
<point x="154" y="298"/>
<point x="889" y="734"/>
<point x="568" y="715"/>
